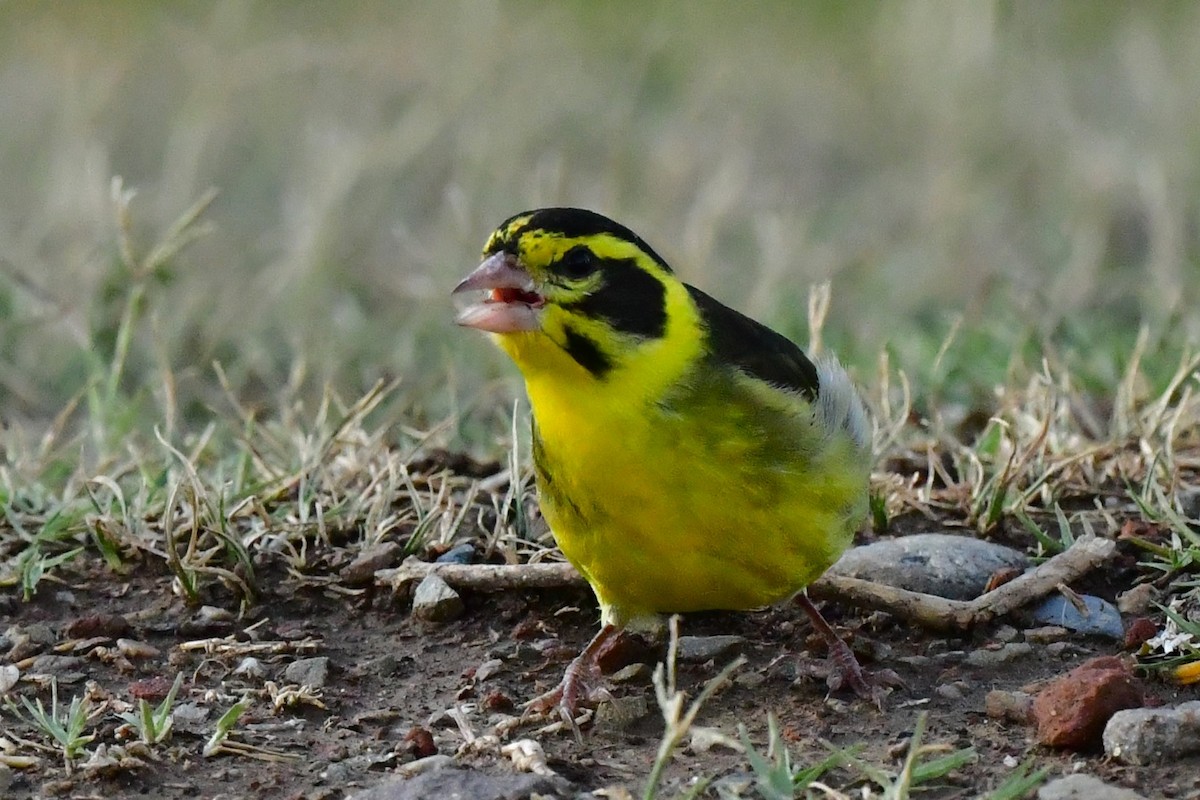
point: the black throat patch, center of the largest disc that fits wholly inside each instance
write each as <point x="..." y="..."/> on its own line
<point x="586" y="353"/>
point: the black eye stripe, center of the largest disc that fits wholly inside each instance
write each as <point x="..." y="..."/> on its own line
<point x="630" y="299"/>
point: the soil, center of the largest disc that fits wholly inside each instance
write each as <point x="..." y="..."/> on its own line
<point x="392" y="678"/>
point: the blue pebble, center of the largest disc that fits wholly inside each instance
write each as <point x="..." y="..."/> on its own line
<point x="460" y="554"/>
<point x="1101" y="619"/>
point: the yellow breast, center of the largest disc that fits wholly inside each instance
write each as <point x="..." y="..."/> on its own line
<point x="708" y="501"/>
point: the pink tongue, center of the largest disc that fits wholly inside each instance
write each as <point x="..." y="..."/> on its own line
<point x="499" y="317"/>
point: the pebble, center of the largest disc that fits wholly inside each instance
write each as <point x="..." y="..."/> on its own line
<point x="1002" y="655"/>
<point x="9" y="675"/>
<point x="916" y="661"/>
<point x="1139" y="631"/>
<point x="699" y="649"/>
<point x="451" y="782"/>
<point x="54" y="665"/>
<point x="110" y="626"/>
<point x="250" y="667"/>
<point x="190" y="718"/>
<point x="459" y="554"/>
<point x="630" y="672"/>
<point x="949" y="691"/>
<point x="621" y="712"/>
<point x="1065" y="649"/>
<point x="1071" y="711"/>
<point x="950" y="657"/>
<point x="1137" y="600"/>
<point x="207" y="622"/>
<point x="435" y="601"/>
<point x="1010" y="706"/>
<point x="28" y="640"/>
<point x="1047" y="634"/>
<point x="312" y="672"/>
<point x="1085" y="787"/>
<point x="956" y="567"/>
<point x="152" y="690"/>
<point x="1006" y="633"/>
<point x="1101" y="618"/>
<point x="361" y="571"/>
<point x="135" y="650"/>
<point x="1149" y="735"/>
<point x="355" y="767"/>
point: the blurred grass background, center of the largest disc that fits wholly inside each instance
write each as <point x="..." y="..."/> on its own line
<point x="1028" y="171"/>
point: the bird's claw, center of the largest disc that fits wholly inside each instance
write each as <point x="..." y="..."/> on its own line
<point x="582" y="687"/>
<point x="873" y="686"/>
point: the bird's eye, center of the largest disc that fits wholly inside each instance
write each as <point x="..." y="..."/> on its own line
<point x="577" y="263"/>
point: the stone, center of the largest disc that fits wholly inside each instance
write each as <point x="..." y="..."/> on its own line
<point x="955" y="567"/>
<point x="312" y="672"/>
<point x="1072" y="710"/>
<point x="459" y="554"/>
<point x="1149" y="735"/>
<point x="110" y="626"/>
<point x="1085" y="787"/>
<point x="1137" y="600"/>
<point x="435" y="601"/>
<point x="699" y="649"/>
<point x="1100" y="619"/>
<point x="361" y="571"/>
<point x="450" y="782"/>
<point x="1009" y="706"/>
<point x="9" y="675"/>
<point x="250" y="667"/>
<point x="993" y="658"/>
<point x="1047" y="634"/>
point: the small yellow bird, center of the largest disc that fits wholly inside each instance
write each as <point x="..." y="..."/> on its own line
<point x="687" y="457"/>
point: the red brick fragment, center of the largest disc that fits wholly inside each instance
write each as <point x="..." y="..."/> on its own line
<point x="1071" y="710"/>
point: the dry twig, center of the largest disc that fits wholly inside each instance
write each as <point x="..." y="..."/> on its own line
<point x="925" y="610"/>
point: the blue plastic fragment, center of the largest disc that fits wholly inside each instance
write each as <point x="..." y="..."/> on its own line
<point x="1101" y="619"/>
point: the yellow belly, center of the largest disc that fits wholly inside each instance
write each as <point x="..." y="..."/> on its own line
<point x="701" y="508"/>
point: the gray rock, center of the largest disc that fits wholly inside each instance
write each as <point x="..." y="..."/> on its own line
<point x="250" y="667"/>
<point x="54" y="665"/>
<point x="312" y="672"/>
<point x="957" y="567"/>
<point x="1101" y="618"/>
<point x="461" y="784"/>
<point x="1149" y="735"/>
<point x="698" y="649"/>
<point x="1085" y="787"/>
<point x="26" y="640"/>
<point x="190" y="718"/>
<point x="355" y="767"/>
<point x="949" y="691"/>
<point x="993" y="658"/>
<point x="435" y="601"/>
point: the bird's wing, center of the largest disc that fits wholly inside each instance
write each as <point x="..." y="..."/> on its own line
<point x="738" y="341"/>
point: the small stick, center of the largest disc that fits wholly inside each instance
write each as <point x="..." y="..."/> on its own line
<point x="925" y="610"/>
<point x="482" y="577"/>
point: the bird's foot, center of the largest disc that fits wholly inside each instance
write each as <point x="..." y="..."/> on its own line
<point x="847" y="671"/>
<point x="582" y="685"/>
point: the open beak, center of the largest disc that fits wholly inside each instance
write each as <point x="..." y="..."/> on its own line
<point x="510" y="303"/>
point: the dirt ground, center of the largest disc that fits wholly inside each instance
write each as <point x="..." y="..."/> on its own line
<point x="392" y="679"/>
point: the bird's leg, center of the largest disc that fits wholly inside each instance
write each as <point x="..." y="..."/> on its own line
<point x="850" y="672"/>
<point x="583" y="683"/>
